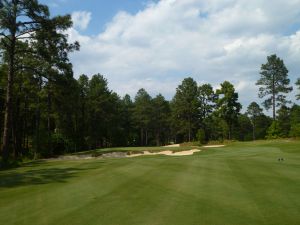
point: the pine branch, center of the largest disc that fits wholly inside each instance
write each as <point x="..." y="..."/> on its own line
<point x="5" y="36"/>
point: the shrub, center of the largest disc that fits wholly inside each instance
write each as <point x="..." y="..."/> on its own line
<point x="200" y="136"/>
<point x="60" y="144"/>
<point x="295" y="130"/>
<point x="273" y="131"/>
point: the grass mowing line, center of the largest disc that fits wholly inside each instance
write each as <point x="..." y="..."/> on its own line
<point x="239" y="184"/>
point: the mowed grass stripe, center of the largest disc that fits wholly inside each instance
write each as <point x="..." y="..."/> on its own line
<point x="240" y="184"/>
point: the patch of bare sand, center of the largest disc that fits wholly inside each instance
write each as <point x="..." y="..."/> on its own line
<point x="172" y="146"/>
<point x="168" y="153"/>
<point x="213" y="146"/>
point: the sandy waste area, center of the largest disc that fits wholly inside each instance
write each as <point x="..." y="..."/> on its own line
<point x="169" y="153"/>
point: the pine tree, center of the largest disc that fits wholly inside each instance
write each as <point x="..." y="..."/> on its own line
<point x="295" y="121"/>
<point x="185" y="106"/>
<point x="127" y="121"/>
<point x="274" y="83"/>
<point x="284" y="121"/>
<point x="253" y="112"/>
<point x="207" y="100"/>
<point x="160" y="118"/>
<point x="142" y="114"/>
<point x="228" y="107"/>
<point x="98" y="111"/>
<point x="23" y="27"/>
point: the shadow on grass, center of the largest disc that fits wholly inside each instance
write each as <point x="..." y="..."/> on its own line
<point x="31" y="174"/>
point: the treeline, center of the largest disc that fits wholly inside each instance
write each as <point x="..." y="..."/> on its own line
<point x="45" y="111"/>
<point x="84" y="114"/>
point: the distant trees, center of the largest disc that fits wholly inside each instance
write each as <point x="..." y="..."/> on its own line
<point x="161" y="119"/>
<point x="186" y="107"/>
<point x="228" y="107"/>
<point x="98" y="111"/>
<point x="45" y="111"/>
<point x="284" y="122"/>
<point x="274" y="83"/>
<point x="142" y="113"/>
<point x="295" y="121"/>
<point x="127" y="122"/>
<point x="253" y="112"/>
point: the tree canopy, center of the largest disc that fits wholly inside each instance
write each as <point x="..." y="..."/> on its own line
<point x="46" y="111"/>
<point x="274" y="83"/>
<point x="228" y="107"/>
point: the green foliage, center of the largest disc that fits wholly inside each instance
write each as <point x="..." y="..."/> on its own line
<point x="160" y="119"/>
<point x="216" y="128"/>
<point x="185" y="107"/>
<point x="47" y="112"/>
<point x="253" y="110"/>
<point x="284" y="122"/>
<point x="228" y="107"/>
<point x="295" y="121"/>
<point x="295" y="130"/>
<point x="39" y="47"/>
<point x="60" y="145"/>
<point x="274" y="83"/>
<point x="273" y="131"/>
<point x="207" y="98"/>
<point x="263" y="122"/>
<point x="295" y="114"/>
<point x="142" y="114"/>
<point x="201" y="136"/>
<point x="243" y="130"/>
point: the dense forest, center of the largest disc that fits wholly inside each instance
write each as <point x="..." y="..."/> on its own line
<point x="46" y="111"/>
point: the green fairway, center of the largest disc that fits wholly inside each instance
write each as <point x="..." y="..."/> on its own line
<point x="243" y="183"/>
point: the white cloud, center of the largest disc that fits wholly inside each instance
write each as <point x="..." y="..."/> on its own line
<point x="81" y="19"/>
<point x="211" y="41"/>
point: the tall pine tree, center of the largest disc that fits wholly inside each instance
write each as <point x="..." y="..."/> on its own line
<point x="253" y="112"/>
<point x="186" y="107"/>
<point x="274" y="83"/>
<point x="228" y="107"/>
<point x="24" y="21"/>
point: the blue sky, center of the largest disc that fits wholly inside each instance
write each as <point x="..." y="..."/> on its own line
<point x="156" y="44"/>
<point x="102" y="10"/>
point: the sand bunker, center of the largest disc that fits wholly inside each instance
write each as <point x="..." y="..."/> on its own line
<point x="213" y="146"/>
<point x="169" y="153"/>
<point x="172" y="146"/>
<point x="123" y="155"/>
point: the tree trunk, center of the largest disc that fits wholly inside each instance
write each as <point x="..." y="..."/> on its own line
<point x="142" y="136"/>
<point x="37" y="129"/>
<point x="157" y="138"/>
<point x="229" y="132"/>
<point x="189" y="130"/>
<point x="38" y="118"/>
<point x="25" y="134"/>
<point x="17" y="128"/>
<point x="273" y="99"/>
<point x="274" y="108"/>
<point x="146" y="137"/>
<point x="49" y="120"/>
<point x="253" y="132"/>
<point x="7" y="128"/>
